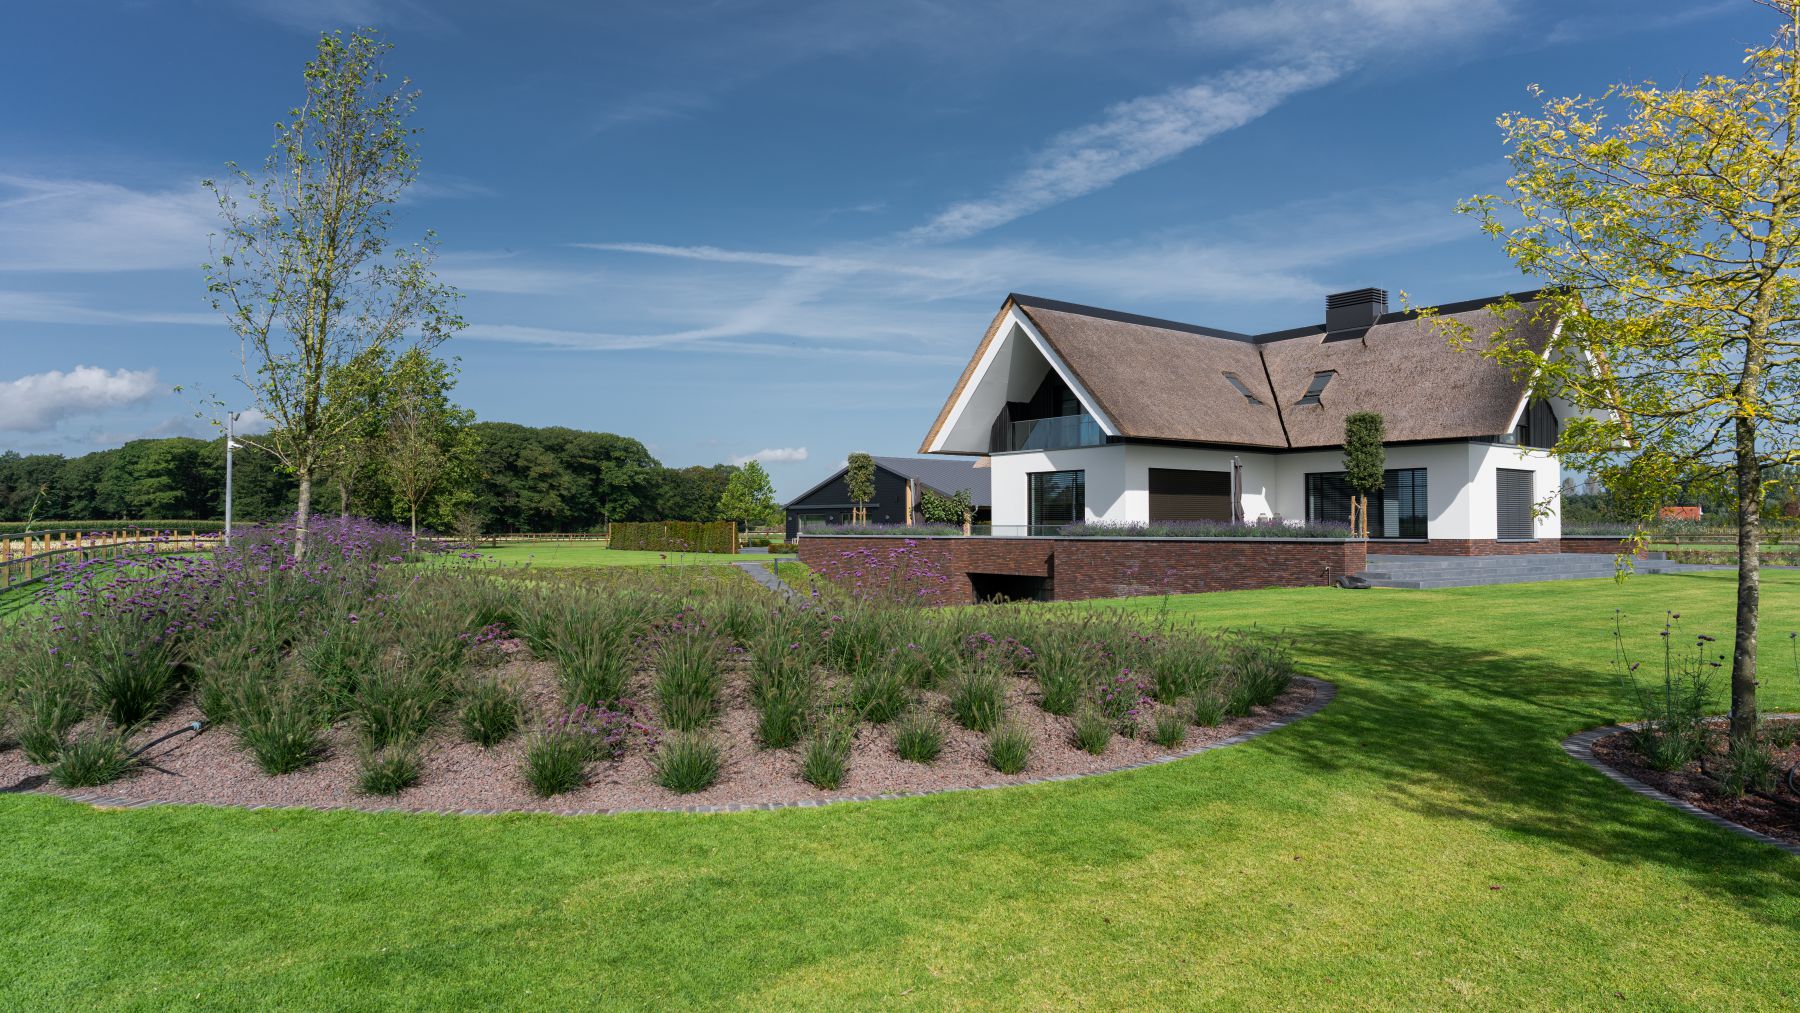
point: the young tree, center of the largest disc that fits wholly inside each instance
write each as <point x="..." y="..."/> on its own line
<point x="428" y="440"/>
<point x="957" y="508"/>
<point x="749" y="497"/>
<point x="860" y="478"/>
<point x="359" y="386"/>
<point x="303" y="269"/>
<point x="1666" y="225"/>
<point x="1365" y="463"/>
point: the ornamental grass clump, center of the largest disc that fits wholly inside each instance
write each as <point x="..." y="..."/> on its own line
<point x="919" y="737"/>
<point x="689" y="680"/>
<point x="783" y="687"/>
<point x="129" y="666"/>
<point x="556" y="763"/>
<point x="1092" y="730"/>
<point x="48" y="701"/>
<point x="280" y="720"/>
<point x="1746" y="767"/>
<point x="1065" y="665"/>
<point x="399" y="701"/>
<point x="688" y="762"/>
<point x="593" y="661"/>
<point x="337" y="656"/>
<point x="826" y="760"/>
<point x="490" y="713"/>
<point x="977" y="697"/>
<point x="95" y="758"/>
<point x="881" y="693"/>
<point x="1009" y="748"/>
<point x="1208" y="708"/>
<point x="1180" y="664"/>
<point x="388" y="770"/>
<point x="1170" y="729"/>
<point x="1262" y="667"/>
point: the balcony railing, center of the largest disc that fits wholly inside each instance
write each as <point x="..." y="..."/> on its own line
<point x="1056" y="434"/>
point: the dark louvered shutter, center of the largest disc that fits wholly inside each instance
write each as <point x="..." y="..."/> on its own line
<point x="1513" y="503"/>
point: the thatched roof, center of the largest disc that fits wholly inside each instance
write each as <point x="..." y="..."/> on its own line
<point x="1165" y="380"/>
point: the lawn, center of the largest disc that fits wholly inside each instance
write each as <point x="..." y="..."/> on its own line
<point x="548" y="553"/>
<point x="1422" y="843"/>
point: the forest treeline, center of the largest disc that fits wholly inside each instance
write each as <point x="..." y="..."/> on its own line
<point x="525" y="479"/>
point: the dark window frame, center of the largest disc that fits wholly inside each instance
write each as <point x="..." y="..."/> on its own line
<point x="1328" y="498"/>
<point x="1035" y="497"/>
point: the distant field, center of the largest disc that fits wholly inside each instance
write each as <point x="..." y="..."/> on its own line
<point x="592" y="554"/>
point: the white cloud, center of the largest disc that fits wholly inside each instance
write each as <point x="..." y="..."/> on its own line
<point x="1301" y="45"/>
<point x="35" y="403"/>
<point x="771" y="455"/>
<point x="1131" y="137"/>
<point x="51" y="308"/>
<point x="81" y="225"/>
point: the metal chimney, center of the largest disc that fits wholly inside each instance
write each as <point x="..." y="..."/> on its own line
<point x="1349" y="314"/>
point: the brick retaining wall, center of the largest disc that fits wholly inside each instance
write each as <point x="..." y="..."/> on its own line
<point x="1607" y="545"/>
<point x="1078" y="568"/>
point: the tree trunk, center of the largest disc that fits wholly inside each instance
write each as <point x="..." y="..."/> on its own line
<point x="302" y="512"/>
<point x="415" y="521"/>
<point x="1749" y="585"/>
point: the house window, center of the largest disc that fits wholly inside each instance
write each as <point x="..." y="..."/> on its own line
<point x="1180" y="495"/>
<point x="1317" y="387"/>
<point x="1056" y="498"/>
<point x="1513" y="504"/>
<point x="1238" y="383"/>
<point x="1538" y="426"/>
<point x="1399" y="512"/>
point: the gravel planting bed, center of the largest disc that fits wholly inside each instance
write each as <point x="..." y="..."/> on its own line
<point x="211" y="768"/>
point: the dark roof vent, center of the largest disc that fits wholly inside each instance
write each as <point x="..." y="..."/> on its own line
<point x="1316" y="388"/>
<point x="1349" y="314"/>
<point x="1238" y="383"/>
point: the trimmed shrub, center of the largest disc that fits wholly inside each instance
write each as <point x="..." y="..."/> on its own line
<point x="389" y="770"/>
<point x="687" y="763"/>
<point x="1009" y="749"/>
<point x="674" y="536"/>
<point x="91" y="760"/>
<point x="977" y="698"/>
<point x="919" y="737"/>
<point x="490" y="713"/>
<point x="783" y="548"/>
<point x="1092" y="730"/>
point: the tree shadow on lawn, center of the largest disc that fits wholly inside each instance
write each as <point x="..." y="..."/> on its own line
<point x="1476" y="735"/>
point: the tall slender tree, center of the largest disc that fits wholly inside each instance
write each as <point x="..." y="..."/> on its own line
<point x="1365" y="463"/>
<point x="1666" y="224"/>
<point x="859" y="477"/>
<point x="304" y="270"/>
<point x="428" y="442"/>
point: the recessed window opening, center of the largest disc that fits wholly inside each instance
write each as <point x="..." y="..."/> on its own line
<point x="1241" y="389"/>
<point x="1319" y="380"/>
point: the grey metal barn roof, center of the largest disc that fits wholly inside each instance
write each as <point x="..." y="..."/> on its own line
<point x="945" y="475"/>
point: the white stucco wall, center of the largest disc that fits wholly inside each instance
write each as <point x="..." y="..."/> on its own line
<point x="1461" y="486"/>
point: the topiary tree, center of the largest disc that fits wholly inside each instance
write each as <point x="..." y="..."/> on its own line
<point x="1365" y="464"/>
<point x="860" y="478"/>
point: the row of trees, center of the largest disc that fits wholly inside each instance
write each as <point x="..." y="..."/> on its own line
<point x="508" y="477"/>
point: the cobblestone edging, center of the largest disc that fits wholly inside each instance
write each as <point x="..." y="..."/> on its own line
<point x="1581" y="747"/>
<point x="1323" y="693"/>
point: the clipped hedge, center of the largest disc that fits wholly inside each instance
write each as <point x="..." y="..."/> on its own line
<point x="674" y="536"/>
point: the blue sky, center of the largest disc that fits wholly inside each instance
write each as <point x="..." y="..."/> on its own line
<point x="779" y="229"/>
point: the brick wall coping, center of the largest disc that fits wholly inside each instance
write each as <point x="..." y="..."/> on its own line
<point x="1251" y="540"/>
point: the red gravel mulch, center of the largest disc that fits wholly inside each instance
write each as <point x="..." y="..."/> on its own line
<point x="1776" y="813"/>
<point x="211" y="768"/>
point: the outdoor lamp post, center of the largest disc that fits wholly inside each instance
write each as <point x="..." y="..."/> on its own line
<point x="231" y="444"/>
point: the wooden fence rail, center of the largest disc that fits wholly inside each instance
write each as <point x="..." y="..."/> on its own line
<point x="33" y="555"/>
